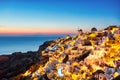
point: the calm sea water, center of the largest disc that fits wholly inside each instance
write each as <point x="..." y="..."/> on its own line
<point x="10" y="44"/>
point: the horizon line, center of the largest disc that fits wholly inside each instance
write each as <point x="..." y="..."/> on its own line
<point x="15" y="34"/>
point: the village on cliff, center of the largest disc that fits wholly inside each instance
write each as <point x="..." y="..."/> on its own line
<point x="92" y="55"/>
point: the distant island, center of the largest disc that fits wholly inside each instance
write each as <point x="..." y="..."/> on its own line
<point x="93" y="55"/>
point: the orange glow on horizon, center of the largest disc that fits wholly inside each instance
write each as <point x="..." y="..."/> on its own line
<point x="28" y="32"/>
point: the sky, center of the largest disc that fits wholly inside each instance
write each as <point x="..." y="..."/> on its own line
<point x="56" y="16"/>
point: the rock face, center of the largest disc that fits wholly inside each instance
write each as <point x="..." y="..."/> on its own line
<point x="16" y="63"/>
<point x="44" y="45"/>
<point x="11" y="65"/>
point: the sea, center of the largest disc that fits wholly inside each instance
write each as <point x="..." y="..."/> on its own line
<point x="11" y="44"/>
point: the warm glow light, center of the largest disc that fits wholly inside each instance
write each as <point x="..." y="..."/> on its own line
<point x="98" y="59"/>
<point x="32" y="31"/>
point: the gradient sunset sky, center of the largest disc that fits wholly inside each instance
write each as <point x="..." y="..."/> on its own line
<point x="56" y="16"/>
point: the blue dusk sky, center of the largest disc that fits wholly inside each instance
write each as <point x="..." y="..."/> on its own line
<point x="56" y="16"/>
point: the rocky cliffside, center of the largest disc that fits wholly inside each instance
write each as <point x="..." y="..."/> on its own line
<point x="90" y="56"/>
<point x="16" y="63"/>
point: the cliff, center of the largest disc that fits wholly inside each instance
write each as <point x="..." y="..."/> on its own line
<point x="16" y="63"/>
<point x="90" y="56"/>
